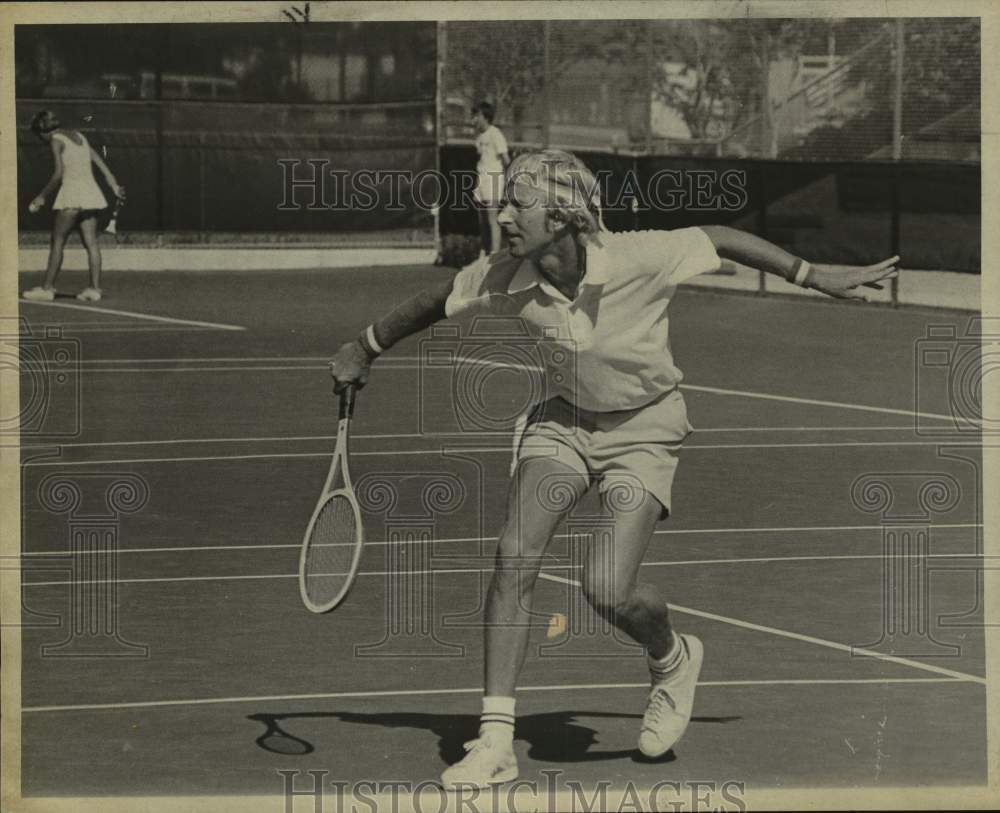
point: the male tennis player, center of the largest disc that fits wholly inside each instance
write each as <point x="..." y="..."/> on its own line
<point x="493" y="162"/>
<point x="615" y="419"/>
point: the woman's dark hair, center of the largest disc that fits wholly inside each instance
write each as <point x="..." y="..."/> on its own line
<point x="44" y="122"/>
<point x="488" y="110"/>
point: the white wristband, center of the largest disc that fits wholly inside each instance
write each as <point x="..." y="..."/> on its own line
<point x="802" y="273"/>
<point x="370" y="336"/>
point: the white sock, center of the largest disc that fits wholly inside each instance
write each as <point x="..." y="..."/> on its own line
<point x="497" y="719"/>
<point x="663" y="668"/>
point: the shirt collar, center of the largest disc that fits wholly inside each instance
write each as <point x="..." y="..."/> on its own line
<point x="597" y="272"/>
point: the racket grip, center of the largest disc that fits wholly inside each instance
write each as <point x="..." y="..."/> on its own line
<point x="347" y="402"/>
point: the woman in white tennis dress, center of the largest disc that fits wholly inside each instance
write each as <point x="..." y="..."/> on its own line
<point x="77" y="203"/>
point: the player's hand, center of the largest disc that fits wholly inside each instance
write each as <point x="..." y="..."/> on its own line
<point x="350" y="365"/>
<point x="844" y="281"/>
<point x="119" y="192"/>
<point x="36" y="204"/>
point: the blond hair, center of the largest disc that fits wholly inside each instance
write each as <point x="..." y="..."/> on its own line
<point x="570" y="190"/>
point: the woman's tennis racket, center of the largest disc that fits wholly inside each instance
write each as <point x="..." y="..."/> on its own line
<point x="331" y="549"/>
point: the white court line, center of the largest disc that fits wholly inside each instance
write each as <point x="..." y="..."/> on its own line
<point x="753" y="560"/>
<point x="283" y="368"/>
<point x="823" y="444"/>
<point x="247" y="577"/>
<point x="484" y="539"/>
<point x="211" y="360"/>
<point x="462" y="571"/>
<point x="423" y="572"/>
<point x="406" y="362"/>
<point x="133" y="315"/>
<point x="453" y="435"/>
<point x="816" y="402"/>
<point x="205" y="701"/>
<point x="70" y="330"/>
<point x="409" y="362"/>
<point x="274" y="456"/>
<point x="809" y="639"/>
<point x="799" y="529"/>
<point x="481" y="450"/>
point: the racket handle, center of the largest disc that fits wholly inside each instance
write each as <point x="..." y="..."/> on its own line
<point x="347" y="402"/>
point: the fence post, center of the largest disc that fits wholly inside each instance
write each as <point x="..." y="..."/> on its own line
<point x="160" y="53"/>
<point x="765" y="93"/>
<point x="635" y="203"/>
<point x="897" y="148"/>
<point x="897" y="101"/>
<point x="894" y="227"/>
<point x="160" y="170"/>
<point x="201" y="184"/>
<point x="546" y="91"/>
<point x="761" y="177"/>
<point x="651" y="86"/>
<point x="440" y="136"/>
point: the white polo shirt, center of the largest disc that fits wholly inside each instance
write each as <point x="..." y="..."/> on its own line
<point x="608" y="349"/>
<point x="490" y="144"/>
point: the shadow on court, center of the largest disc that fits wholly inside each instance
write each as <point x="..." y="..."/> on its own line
<point x="552" y="737"/>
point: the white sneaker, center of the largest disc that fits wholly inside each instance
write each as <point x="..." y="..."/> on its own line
<point x="671" y="702"/>
<point x="485" y="764"/>
<point x="40" y="294"/>
<point x="89" y="295"/>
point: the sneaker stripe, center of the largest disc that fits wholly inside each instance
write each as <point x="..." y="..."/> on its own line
<point x="494" y="717"/>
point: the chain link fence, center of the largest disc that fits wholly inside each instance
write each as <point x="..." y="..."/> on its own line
<point x="219" y="131"/>
<point x="801" y="89"/>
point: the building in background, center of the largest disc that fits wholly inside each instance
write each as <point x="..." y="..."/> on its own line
<point x="321" y="62"/>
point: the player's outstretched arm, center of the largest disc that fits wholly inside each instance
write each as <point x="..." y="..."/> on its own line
<point x="841" y="281"/>
<point x="353" y="360"/>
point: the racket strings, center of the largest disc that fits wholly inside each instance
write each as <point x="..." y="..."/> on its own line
<point x="330" y="550"/>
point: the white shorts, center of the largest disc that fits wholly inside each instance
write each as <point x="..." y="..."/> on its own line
<point x="489" y="187"/>
<point x="627" y="449"/>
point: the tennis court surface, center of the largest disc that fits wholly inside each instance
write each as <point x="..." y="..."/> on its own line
<point x="826" y="547"/>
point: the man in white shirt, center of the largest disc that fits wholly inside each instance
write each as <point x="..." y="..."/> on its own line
<point x="493" y="161"/>
<point x="597" y="300"/>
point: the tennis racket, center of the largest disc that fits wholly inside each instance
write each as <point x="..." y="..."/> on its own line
<point x="331" y="549"/>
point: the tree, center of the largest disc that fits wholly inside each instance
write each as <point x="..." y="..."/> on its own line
<point x="508" y="63"/>
<point x="941" y="70"/>
<point x="716" y="73"/>
<point x="940" y="93"/>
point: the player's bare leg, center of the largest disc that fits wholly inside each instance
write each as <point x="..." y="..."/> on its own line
<point x="610" y="583"/>
<point x="88" y="233"/>
<point x="62" y="225"/>
<point x="529" y="526"/>
<point x="611" y="570"/>
<point x="530" y="523"/>
<point x="65" y="220"/>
